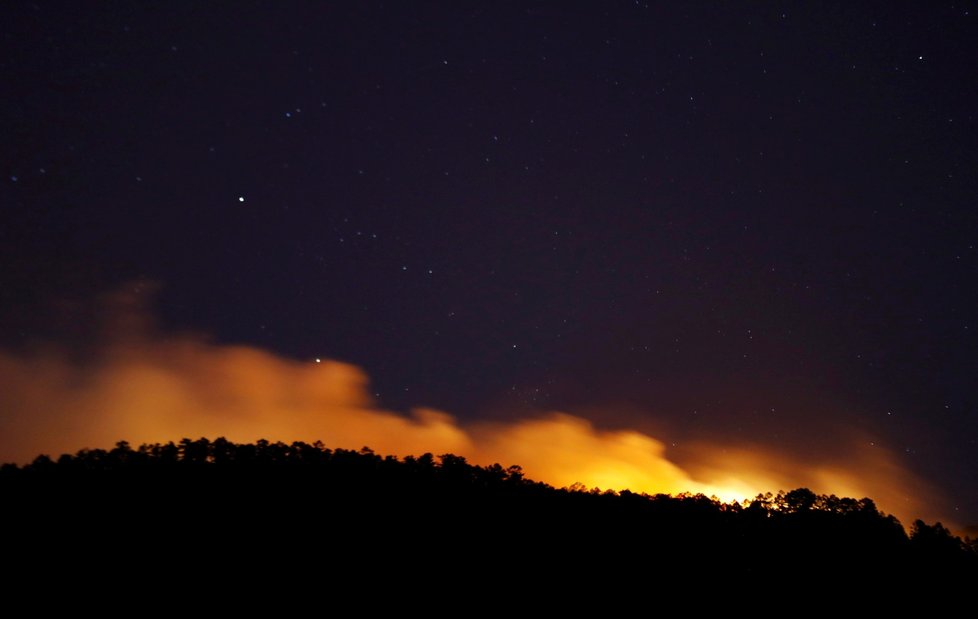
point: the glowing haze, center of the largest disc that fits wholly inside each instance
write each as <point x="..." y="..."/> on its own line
<point x="141" y="386"/>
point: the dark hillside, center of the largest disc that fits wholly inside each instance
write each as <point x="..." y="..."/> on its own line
<point x="270" y="507"/>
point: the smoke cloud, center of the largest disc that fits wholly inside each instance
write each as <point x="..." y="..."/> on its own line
<point x="139" y="385"/>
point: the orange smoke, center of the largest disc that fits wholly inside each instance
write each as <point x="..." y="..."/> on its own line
<point x="148" y="388"/>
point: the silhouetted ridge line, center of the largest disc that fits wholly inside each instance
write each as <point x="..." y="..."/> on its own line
<point x="205" y="493"/>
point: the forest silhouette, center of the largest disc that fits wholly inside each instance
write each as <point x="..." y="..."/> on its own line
<point x="216" y="503"/>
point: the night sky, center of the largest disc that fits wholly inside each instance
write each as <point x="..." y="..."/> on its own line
<point x="752" y="221"/>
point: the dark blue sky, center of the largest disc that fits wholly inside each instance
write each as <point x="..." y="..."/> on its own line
<point x="746" y="220"/>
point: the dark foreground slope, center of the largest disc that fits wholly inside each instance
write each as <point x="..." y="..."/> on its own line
<point x="202" y="507"/>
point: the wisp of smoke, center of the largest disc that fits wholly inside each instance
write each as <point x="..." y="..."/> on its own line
<point x="141" y="386"/>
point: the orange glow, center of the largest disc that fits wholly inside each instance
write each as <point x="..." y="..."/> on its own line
<point x="144" y="388"/>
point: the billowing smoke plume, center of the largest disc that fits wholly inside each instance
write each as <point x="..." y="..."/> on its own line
<point x="141" y="386"/>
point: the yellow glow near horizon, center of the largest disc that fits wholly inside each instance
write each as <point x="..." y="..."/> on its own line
<point x="152" y="389"/>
